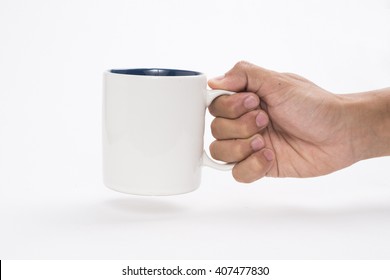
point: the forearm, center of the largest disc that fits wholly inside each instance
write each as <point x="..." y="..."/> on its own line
<point x="369" y="123"/>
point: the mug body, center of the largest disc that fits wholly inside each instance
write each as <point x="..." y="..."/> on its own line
<point x="153" y="126"/>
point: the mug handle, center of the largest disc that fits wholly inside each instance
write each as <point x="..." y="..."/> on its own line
<point x="206" y="160"/>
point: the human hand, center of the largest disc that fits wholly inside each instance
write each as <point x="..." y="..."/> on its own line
<point x="281" y="125"/>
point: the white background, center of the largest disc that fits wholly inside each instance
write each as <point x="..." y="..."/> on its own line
<point x="53" y="204"/>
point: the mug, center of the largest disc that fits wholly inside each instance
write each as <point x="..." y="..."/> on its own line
<point x="153" y="127"/>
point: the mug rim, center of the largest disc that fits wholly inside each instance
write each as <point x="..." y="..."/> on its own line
<point x="155" y="72"/>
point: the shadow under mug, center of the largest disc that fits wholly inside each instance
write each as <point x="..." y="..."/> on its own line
<point x="153" y="129"/>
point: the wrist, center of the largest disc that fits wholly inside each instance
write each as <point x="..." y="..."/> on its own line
<point x="367" y="118"/>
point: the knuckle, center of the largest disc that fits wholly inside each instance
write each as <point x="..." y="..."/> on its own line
<point x="232" y="107"/>
<point x="258" y="157"/>
<point x="239" y="149"/>
<point x="242" y="64"/>
<point x="246" y="130"/>
<point x="258" y="161"/>
<point x="247" y="124"/>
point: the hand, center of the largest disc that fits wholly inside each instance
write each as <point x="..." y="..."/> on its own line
<point x="282" y="125"/>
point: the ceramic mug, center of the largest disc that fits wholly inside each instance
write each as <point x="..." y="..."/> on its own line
<point x="153" y="127"/>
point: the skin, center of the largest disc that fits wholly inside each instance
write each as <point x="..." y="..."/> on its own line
<point x="283" y="125"/>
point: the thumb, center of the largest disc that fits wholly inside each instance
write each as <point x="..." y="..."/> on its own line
<point x="245" y="76"/>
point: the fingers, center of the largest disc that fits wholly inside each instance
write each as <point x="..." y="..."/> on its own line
<point x="244" y="127"/>
<point x="234" y="106"/>
<point x="239" y="119"/>
<point x="244" y="76"/>
<point x="254" y="167"/>
<point x="235" y="150"/>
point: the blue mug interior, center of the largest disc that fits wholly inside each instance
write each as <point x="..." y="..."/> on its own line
<point x="155" y="72"/>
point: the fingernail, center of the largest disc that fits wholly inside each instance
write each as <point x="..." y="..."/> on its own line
<point x="257" y="144"/>
<point x="269" y="155"/>
<point x="261" y="119"/>
<point x="218" y="78"/>
<point x="250" y="102"/>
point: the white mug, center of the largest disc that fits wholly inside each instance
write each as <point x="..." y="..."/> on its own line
<point x="153" y="127"/>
